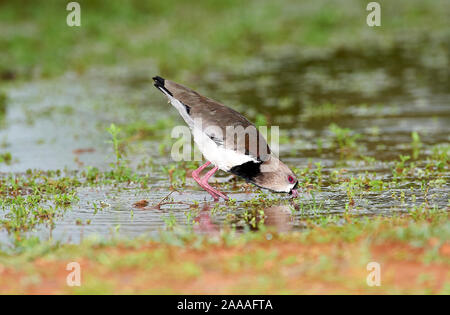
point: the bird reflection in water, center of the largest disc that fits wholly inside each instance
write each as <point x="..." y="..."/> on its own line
<point x="276" y="217"/>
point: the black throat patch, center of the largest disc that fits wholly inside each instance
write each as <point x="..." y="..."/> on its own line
<point x="248" y="170"/>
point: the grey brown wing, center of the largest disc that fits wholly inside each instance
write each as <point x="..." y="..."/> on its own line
<point x="230" y="129"/>
<point x="225" y="126"/>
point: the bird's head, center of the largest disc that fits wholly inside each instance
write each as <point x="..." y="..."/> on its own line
<point x="276" y="176"/>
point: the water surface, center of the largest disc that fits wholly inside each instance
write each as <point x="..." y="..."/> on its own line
<point x="384" y="95"/>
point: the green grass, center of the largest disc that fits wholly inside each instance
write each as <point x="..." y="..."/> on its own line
<point x="334" y="257"/>
<point x="6" y="157"/>
<point x="182" y="37"/>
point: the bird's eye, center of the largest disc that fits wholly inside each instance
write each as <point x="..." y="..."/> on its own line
<point x="291" y="179"/>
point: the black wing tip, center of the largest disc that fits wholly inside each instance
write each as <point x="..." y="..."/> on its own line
<point x="159" y="84"/>
<point x="158" y="80"/>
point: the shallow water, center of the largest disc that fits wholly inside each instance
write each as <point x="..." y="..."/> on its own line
<point x="383" y="95"/>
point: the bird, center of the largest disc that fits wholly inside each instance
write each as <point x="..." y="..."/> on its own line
<point x="228" y="141"/>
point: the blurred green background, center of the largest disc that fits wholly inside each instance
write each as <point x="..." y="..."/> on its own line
<point x="195" y="36"/>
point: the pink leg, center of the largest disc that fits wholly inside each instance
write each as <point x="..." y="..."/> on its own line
<point x="195" y="175"/>
<point x="203" y="182"/>
<point x="210" y="189"/>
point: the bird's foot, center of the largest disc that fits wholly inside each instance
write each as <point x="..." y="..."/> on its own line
<point x="215" y="196"/>
<point x="203" y="182"/>
<point x="206" y="187"/>
<point x="214" y="192"/>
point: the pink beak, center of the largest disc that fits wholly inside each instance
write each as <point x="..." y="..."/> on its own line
<point x="294" y="193"/>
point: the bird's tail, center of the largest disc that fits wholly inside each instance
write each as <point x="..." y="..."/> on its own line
<point x="182" y="108"/>
<point x="159" y="84"/>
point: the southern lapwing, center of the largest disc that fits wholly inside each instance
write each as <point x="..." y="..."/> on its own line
<point x="228" y="141"/>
